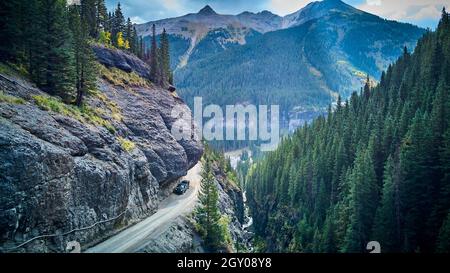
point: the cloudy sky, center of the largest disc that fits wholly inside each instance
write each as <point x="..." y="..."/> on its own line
<point x="425" y="13"/>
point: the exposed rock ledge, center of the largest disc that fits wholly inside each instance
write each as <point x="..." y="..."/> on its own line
<point x="116" y="58"/>
<point x="58" y="174"/>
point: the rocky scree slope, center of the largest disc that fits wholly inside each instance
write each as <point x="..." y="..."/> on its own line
<point x="105" y="167"/>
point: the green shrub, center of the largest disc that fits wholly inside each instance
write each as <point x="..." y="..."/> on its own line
<point x="82" y="114"/>
<point x="116" y="112"/>
<point x="127" y="145"/>
<point x="10" y="99"/>
<point x="13" y="69"/>
<point x="121" y="78"/>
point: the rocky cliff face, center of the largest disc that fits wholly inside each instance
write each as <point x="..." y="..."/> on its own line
<point x="103" y="168"/>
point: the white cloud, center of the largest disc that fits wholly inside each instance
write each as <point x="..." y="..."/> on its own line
<point x="426" y="12"/>
<point x="283" y="7"/>
<point x="405" y="10"/>
<point x="173" y="5"/>
<point x="137" y="20"/>
<point x="374" y="2"/>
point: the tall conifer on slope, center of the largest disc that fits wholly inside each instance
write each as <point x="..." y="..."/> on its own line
<point x="56" y="72"/>
<point x="101" y="16"/>
<point x="166" y="72"/>
<point x="208" y="214"/>
<point x="117" y="23"/>
<point x="89" y="14"/>
<point x="154" y="64"/>
<point x="128" y="34"/>
<point x="10" y="29"/>
<point x="363" y="201"/>
<point x="85" y="66"/>
<point x="386" y="229"/>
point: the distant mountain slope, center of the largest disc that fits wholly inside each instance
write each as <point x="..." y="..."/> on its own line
<point x="301" y="61"/>
<point x="316" y="10"/>
<point x="255" y="73"/>
<point x="301" y="67"/>
<point x="207" y="19"/>
<point x="198" y="29"/>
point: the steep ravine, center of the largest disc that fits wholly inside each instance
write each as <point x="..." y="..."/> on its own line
<point x="61" y="171"/>
<point x="181" y="236"/>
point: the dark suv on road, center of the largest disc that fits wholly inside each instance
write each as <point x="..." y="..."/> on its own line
<point x="182" y="187"/>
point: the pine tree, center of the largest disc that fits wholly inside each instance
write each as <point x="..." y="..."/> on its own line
<point x="128" y="35"/>
<point x="135" y="43"/>
<point x="362" y="203"/>
<point x="10" y="29"/>
<point x="154" y="65"/>
<point x="366" y="90"/>
<point x="141" y="48"/>
<point x="101" y="16"/>
<point x="208" y="216"/>
<point x="85" y="66"/>
<point x="386" y="230"/>
<point x="117" y="23"/>
<point x="445" y="20"/>
<point x="416" y="184"/>
<point x="55" y="74"/>
<point x="329" y="237"/>
<point x="109" y="22"/>
<point x="89" y="15"/>
<point x="166" y="72"/>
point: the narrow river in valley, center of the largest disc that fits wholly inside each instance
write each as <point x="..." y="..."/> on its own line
<point x="235" y="158"/>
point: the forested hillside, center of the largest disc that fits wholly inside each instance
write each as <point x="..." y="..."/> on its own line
<point x="302" y="68"/>
<point x="50" y="42"/>
<point x="377" y="168"/>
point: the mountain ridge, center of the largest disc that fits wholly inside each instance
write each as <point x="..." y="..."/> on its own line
<point x="318" y="8"/>
<point x="314" y="69"/>
<point x="319" y="58"/>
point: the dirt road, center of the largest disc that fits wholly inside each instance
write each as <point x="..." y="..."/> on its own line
<point x="135" y="237"/>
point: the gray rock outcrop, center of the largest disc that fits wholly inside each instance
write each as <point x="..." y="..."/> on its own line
<point x="60" y="173"/>
<point x="121" y="60"/>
